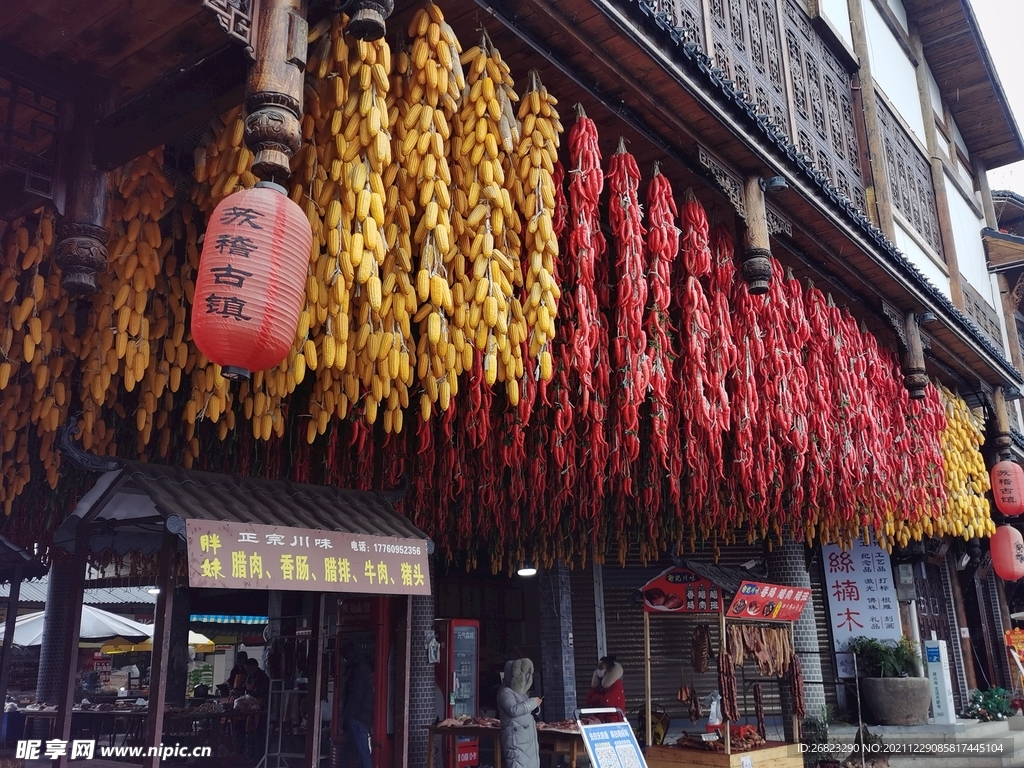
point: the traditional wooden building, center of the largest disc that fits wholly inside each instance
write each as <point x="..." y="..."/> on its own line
<point x="836" y="154"/>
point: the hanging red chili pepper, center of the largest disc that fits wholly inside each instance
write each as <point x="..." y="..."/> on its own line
<point x="630" y="356"/>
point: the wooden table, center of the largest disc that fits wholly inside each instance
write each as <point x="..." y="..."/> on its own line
<point x="561" y="742"/>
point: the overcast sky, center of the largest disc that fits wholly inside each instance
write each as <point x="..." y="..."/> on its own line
<point x="1002" y="24"/>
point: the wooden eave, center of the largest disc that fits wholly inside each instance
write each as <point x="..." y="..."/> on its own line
<point x="1005" y="252"/>
<point x="959" y="59"/>
<point x="641" y="69"/>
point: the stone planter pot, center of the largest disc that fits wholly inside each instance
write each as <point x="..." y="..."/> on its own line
<point x="896" y="700"/>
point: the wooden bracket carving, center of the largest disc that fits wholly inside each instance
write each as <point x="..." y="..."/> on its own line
<point x="912" y="346"/>
<point x="239" y="18"/>
<point x="273" y="91"/>
<point x="757" y="265"/>
<point x="895" y="319"/>
<point x="777" y="223"/>
<point x="728" y="182"/>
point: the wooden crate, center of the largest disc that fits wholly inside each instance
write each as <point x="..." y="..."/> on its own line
<point x="772" y="755"/>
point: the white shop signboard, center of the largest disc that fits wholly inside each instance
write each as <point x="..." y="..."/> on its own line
<point x="861" y="598"/>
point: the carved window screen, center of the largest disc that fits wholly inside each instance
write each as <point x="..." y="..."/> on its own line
<point x="982" y="313"/>
<point x="746" y="44"/>
<point x="28" y="135"/>
<point x="687" y="16"/>
<point x="910" y="178"/>
<point x="823" y="106"/>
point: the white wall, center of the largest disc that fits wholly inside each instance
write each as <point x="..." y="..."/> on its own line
<point x="920" y="259"/>
<point x="970" y="252"/>
<point x="893" y="71"/>
<point x="838" y="13"/>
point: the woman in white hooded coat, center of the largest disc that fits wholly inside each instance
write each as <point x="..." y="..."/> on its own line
<point x="518" y="728"/>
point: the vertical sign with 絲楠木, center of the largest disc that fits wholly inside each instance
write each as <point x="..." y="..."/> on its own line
<point x="861" y="597"/>
<point x="245" y="556"/>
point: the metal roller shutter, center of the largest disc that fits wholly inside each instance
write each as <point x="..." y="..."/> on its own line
<point x="584" y="629"/>
<point x="670" y="641"/>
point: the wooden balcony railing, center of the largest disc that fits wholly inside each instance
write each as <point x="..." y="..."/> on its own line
<point x="772" y="53"/>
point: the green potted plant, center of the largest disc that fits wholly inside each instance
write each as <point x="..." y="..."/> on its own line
<point x="892" y="692"/>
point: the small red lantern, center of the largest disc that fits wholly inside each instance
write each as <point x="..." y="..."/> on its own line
<point x="1007" y="547"/>
<point x="252" y="280"/>
<point x="1008" y="487"/>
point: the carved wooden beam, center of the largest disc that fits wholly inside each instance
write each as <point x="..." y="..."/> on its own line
<point x="273" y="90"/>
<point x="756" y="267"/>
<point x="82" y="238"/>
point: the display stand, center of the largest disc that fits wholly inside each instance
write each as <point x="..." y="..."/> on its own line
<point x="675" y="594"/>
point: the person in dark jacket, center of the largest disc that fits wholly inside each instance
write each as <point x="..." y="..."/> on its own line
<point x="357" y="712"/>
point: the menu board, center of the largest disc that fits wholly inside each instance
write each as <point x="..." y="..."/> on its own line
<point x="612" y="745"/>
<point x="861" y="597"/>
<point x="768" y="602"/>
<point x="678" y="590"/>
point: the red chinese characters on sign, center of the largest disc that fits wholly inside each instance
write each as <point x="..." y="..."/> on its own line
<point x="768" y="602"/>
<point x="243" y="556"/>
<point x="678" y="590"/>
<point x="1008" y="487"/>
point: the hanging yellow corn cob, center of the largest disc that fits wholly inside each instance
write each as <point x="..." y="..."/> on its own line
<point x="538" y="153"/>
<point x="436" y="81"/>
<point x="489" y="223"/>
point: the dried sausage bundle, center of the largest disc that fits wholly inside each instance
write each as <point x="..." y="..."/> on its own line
<point x="796" y="680"/>
<point x="700" y="648"/>
<point x="759" y="710"/>
<point x="727" y="687"/>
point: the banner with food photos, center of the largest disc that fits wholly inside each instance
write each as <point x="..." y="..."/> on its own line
<point x="678" y="590"/>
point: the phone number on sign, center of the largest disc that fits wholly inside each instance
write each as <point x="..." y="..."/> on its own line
<point x="906" y="749"/>
<point x="396" y="549"/>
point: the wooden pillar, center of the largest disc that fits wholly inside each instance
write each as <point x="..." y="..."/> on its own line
<point x="880" y="189"/>
<point x="317" y="635"/>
<point x="991" y="220"/>
<point x="62" y="726"/>
<point x="273" y="90"/>
<point x="403" y="664"/>
<point x="1008" y="302"/>
<point x="986" y="632"/>
<point x="966" y="642"/>
<point x="1002" y="441"/>
<point x="82" y="237"/>
<point x="12" y="614"/>
<point x="757" y="267"/>
<point x="161" y="646"/>
<point x="956" y="288"/>
<point x="914" y="377"/>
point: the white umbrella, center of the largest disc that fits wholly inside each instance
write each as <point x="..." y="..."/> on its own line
<point x="200" y="642"/>
<point x="97" y="626"/>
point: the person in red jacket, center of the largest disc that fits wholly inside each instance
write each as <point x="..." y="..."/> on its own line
<point x="606" y="685"/>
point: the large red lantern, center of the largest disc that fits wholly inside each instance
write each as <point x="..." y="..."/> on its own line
<point x="1007" y="547"/>
<point x="1008" y="487"/>
<point x="252" y="280"/>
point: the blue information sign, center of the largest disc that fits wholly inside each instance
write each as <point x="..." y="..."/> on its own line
<point x="612" y="745"/>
